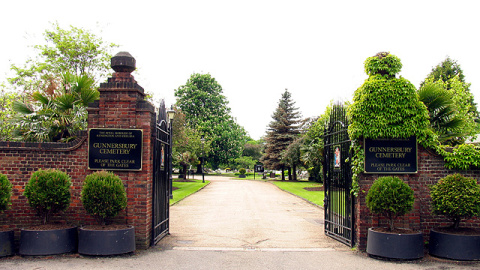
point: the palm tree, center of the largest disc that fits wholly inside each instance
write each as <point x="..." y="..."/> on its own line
<point x="444" y="119"/>
<point x="57" y="113"/>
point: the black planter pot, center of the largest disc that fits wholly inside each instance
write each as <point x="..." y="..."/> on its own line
<point x="242" y="176"/>
<point x="7" y="247"/>
<point x="454" y="246"/>
<point x="395" y="245"/>
<point x="106" y="242"/>
<point x="48" y="242"/>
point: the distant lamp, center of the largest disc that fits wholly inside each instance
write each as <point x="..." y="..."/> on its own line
<point x="171" y="114"/>
<point x="203" y="158"/>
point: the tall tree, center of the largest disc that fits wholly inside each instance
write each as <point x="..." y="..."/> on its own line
<point x="187" y="144"/>
<point x="76" y="51"/>
<point x="206" y="110"/>
<point x="282" y="131"/>
<point x="451" y="76"/>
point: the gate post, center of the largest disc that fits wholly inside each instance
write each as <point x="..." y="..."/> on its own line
<point x="122" y="105"/>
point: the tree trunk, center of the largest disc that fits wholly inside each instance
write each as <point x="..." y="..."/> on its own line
<point x="283" y="173"/>
<point x="294" y="172"/>
<point x="184" y="171"/>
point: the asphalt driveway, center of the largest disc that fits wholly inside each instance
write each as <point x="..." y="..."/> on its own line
<point x="240" y="214"/>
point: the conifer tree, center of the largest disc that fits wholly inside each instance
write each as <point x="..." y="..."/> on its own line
<point x="282" y="131"/>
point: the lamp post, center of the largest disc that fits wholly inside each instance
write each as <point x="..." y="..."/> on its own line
<point x="203" y="159"/>
<point x="170" y="115"/>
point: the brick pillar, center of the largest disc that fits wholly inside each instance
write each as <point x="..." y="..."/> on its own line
<point x="122" y="105"/>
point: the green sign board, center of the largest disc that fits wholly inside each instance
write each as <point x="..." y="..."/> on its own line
<point x="115" y="149"/>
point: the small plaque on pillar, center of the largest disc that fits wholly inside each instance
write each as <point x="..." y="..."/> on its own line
<point x="115" y="149"/>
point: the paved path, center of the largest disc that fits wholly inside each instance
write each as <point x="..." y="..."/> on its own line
<point x="246" y="215"/>
<point x="238" y="225"/>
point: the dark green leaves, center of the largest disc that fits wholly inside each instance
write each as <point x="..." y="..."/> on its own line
<point x="391" y="197"/>
<point x="456" y="197"/>
<point x="48" y="192"/>
<point x="5" y="192"/>
<point x="103" y="195"/>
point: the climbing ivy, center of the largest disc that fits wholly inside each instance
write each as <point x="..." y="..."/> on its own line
<point x="385" y="107"/>
<point x="383" y="63"/>
<point x="462" y="157"/>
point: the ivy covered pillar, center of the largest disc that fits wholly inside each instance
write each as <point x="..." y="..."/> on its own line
<point x="385" y="107"/>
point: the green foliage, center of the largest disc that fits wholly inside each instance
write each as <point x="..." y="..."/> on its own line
<point x="292" y="155"/>
<point x="7" y="126"/>
<point x="74" y="50"/>
<point x="227" y="144"/>
<point x="463" y="157"/>
<point x="282" y="131"/>
<point x="203" y="102"/>
<point x="187" y="143"/>
<point x="444" y="117"/>
<point x="312" y="148"/>
<point x="450" y="76"/>
<point x="206" y="111"/>
<point x="383" y="63"/>
<point x="5" y="192"/>
<point x="48" y="192"/>
<point x="456" y="197"/>
<point x="245" y="162"/>
<point x="185" y="189"/>
<point x="58" y="113"/>
<point x="391" y="197"/>
<point x="253" y="149"/>
<point x="242" y="171"/>
<point x="299" y="189"/>
<point x="103" y="195"/>
<point x="386" y="107"/>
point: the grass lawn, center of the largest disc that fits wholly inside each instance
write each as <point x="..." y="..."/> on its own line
<point x="185" y="189"/>
<point x="298" y="188"/>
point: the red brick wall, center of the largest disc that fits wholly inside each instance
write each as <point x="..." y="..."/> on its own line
<point x="121" y="106"/>
<point x="19" y="160"/>
<point x="430" y="169"/>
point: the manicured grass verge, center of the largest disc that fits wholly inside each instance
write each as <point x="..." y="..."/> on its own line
<point x="298" y="188"/>
<point x="185" y="189"/>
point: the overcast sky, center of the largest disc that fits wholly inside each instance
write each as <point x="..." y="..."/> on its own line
<point x="257" y="48"/>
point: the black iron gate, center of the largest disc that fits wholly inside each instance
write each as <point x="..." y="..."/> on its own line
<point x="338" y="203"/>
<point x="162" y="178"/>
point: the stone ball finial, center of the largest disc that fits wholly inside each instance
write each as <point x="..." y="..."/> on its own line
<point x="123" y="62"/>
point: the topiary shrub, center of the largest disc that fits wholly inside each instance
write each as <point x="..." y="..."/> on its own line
<point x="5" y="192"/>
<point x="456" y="197"/>
<point x="48" y="192"/>
<point x="242" y="171"/>
<point x="103" y="196"/>
<point x="385" y="106"/>
<point x="390" y="197"/>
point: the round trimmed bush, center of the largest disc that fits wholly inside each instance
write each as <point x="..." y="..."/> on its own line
<point x="5" y="192"/>
<point x="456" y="197"/>
<point x="48" y="192"/>
<point x="103" y="195"/>
<point x="390" y="197"/>
<point x="242" y="171"/>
